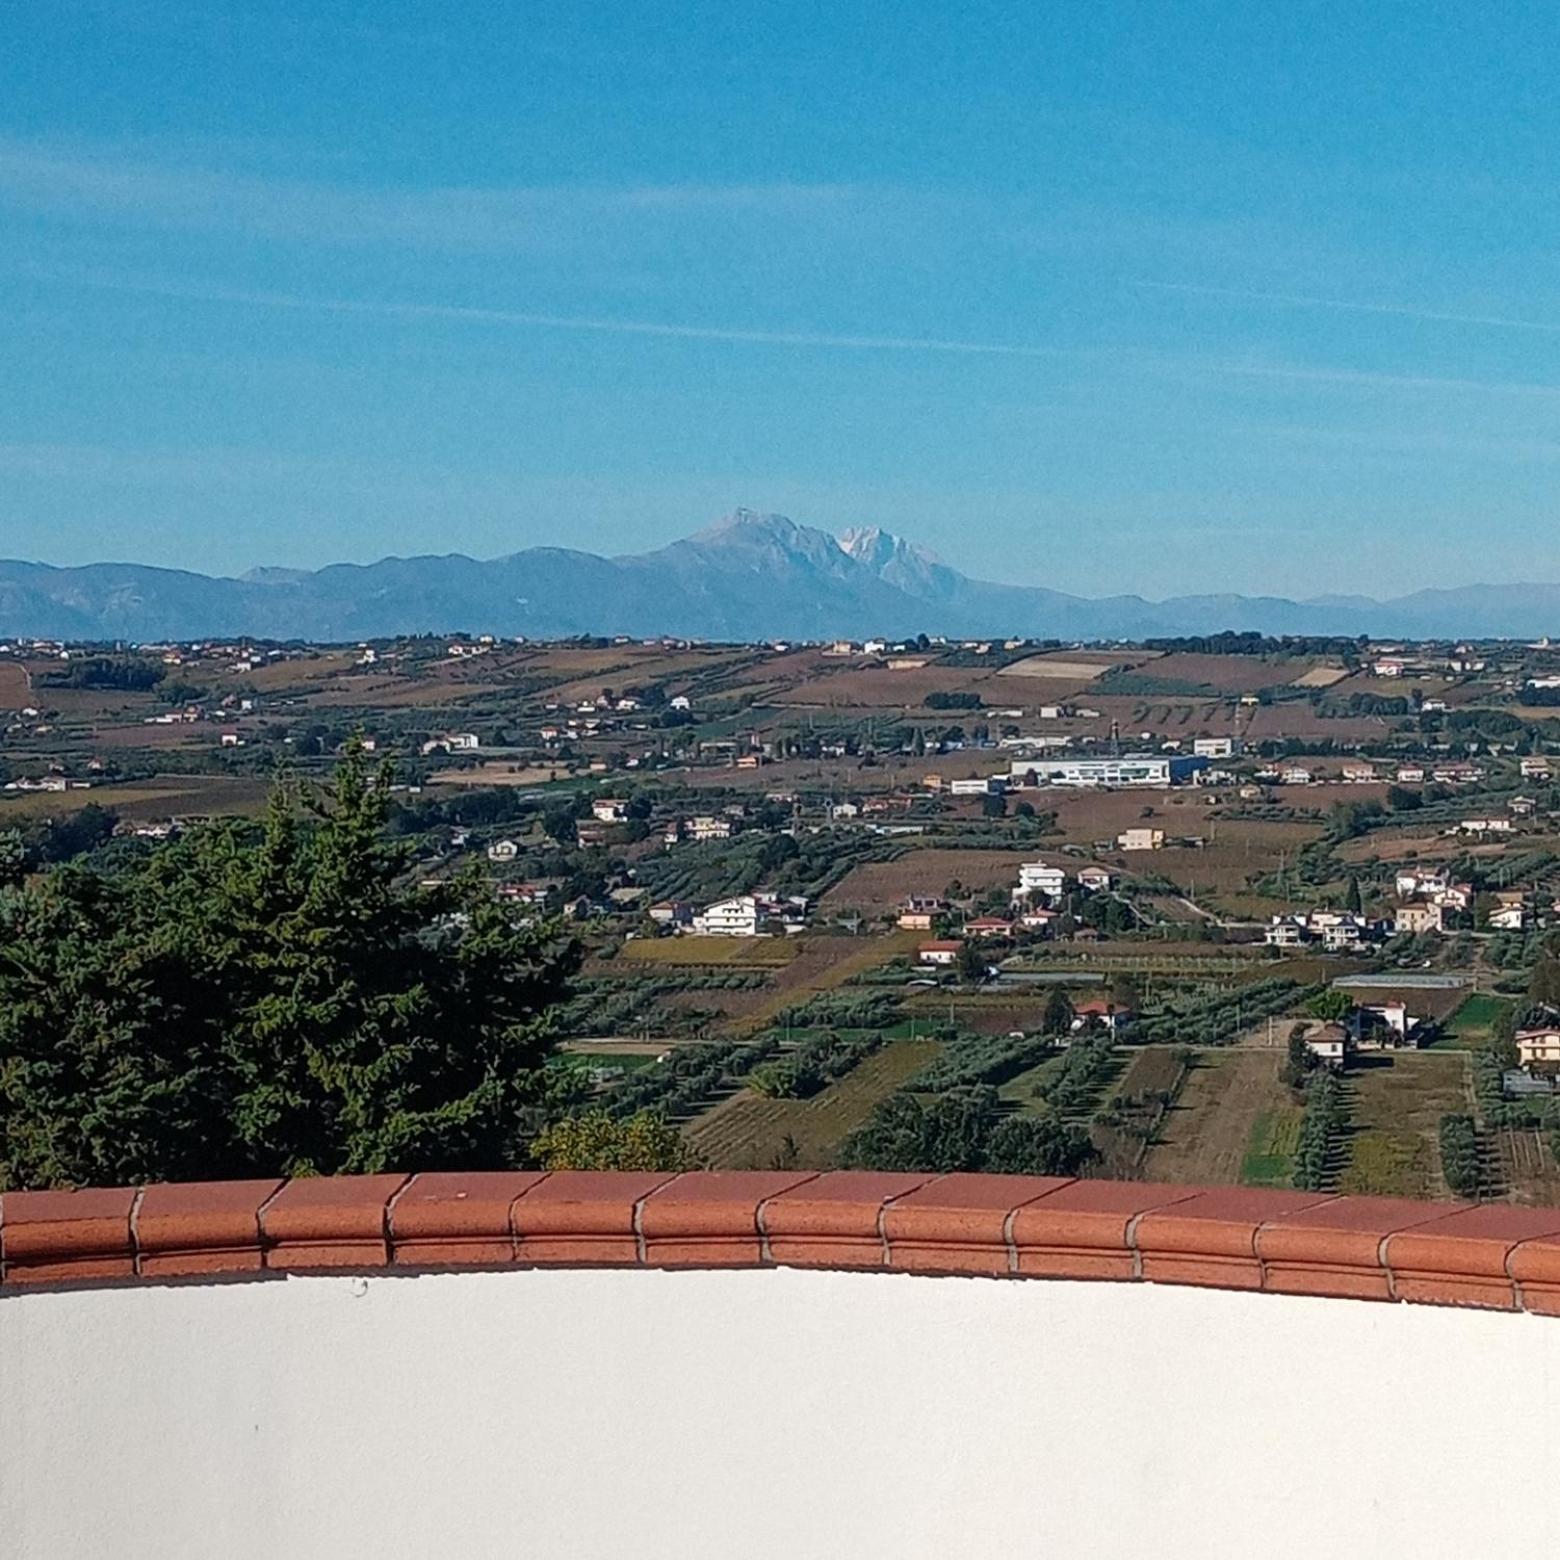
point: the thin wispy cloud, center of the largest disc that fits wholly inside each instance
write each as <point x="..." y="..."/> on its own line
<point x="99" y="184"/>
<point x="1303" y="301"/>
<point x="465" y="314"/>
<point x="1126" y="359"/>
<point x="1366" y="379"/>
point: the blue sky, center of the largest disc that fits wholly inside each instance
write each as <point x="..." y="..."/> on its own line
<point x="1103" y="296"/>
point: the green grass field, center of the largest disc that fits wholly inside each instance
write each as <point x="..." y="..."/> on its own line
<point x="1473" y="1024"/>
<point x="1270" y="1153"/>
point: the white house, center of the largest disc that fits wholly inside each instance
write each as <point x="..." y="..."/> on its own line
<point x="609" y="809"/>
<point x="1410" y="882"/>
<point x="503" y="850"/>
<point x="1287" y="931"/>
<point x="751" y="915"/>
<point x="1330" y="1044"/>
<point x="987" y="785"/>
<point x="942" y="952"/>
<point x="1036" y="877"/>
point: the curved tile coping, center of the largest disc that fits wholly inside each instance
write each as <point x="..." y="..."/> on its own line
<point x="1369" y="1248"/>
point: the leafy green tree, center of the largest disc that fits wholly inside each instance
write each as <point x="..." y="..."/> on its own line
<point x="1124" y="993"/>
<point x="971" y="963"/>
<point x="276" y="1003"/>
<point x="1300" y="1061"/>
<point x="1353" y="900"/>
<point x="13" y="858"/>
<point x="559" y="823"/>
<point x="1544" y="983"/>
<point x="1058" y="1015"/>
<point x="596" y="1141"/>
<point x="1503" y="1037"/>
<point x="1037" y="1145"/>
<point x="1332" y="1005"/>
<point x="957" y="1126"/>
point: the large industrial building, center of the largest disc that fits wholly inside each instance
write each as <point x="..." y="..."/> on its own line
<point x="1146" y="769"/>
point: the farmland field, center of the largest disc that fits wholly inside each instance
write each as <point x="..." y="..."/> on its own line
<point x="869" y="687"/>
<point x="821" y="964"/>
<point x="731" y="952"/>
<point x="1321" y="677"/>
<point x="1076" y="671"/>
<point x="495" y="773"/>
<point x="15" y="689"/>
<point x="1396" y="1104"/>
<point x="1153" y="1070"/>
<point x="1527" y="1167"/>
<point x="1208" y="1132"/>
<point x="1270" y="1151"/>
<point x="1473" y="1023"/>
<point x="879" y="886"/>
<point x="163" y="796"/>
<point x="1227" y="673"/>
<point x="749" y="1132"/>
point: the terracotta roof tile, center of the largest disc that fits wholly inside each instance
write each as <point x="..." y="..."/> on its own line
<point x="1083" y="1230"/>
<point x="1211" y="1238"/>
<point x="583" y="1217"/>
<point x="330" y="1221"/>
<point x="53" y="1236"/>
<point x="959" y="1223"/>
<point x="1462" y="1257"/>
<point x="710" y="1218"/>
<point x="457" y="1217"/>
<point x="834" y="1220"/>
<point x="191" y="1227"/>
<point x="1238" y="1237"/>
<point x="1336" y="1248"/>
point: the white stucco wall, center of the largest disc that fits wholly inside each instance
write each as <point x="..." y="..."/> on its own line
<point x="788" y="1414"/>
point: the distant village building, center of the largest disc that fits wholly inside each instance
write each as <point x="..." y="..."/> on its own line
<point x="1420" y="918"/>
<point x="942" y="952"/>
<point x="751" y="915"/>
<point x="1329" y="1044"/>
<point x="1539" y="1046"/>
<point x="1038" y="877"/>
<point x="1141" y="839"/>
<point x="986" y="785"/>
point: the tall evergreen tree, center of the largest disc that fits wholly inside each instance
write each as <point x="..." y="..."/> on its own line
<point x="268" y="1002"/>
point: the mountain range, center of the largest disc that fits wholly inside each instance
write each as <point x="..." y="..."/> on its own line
<point x="751" y="576"/>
